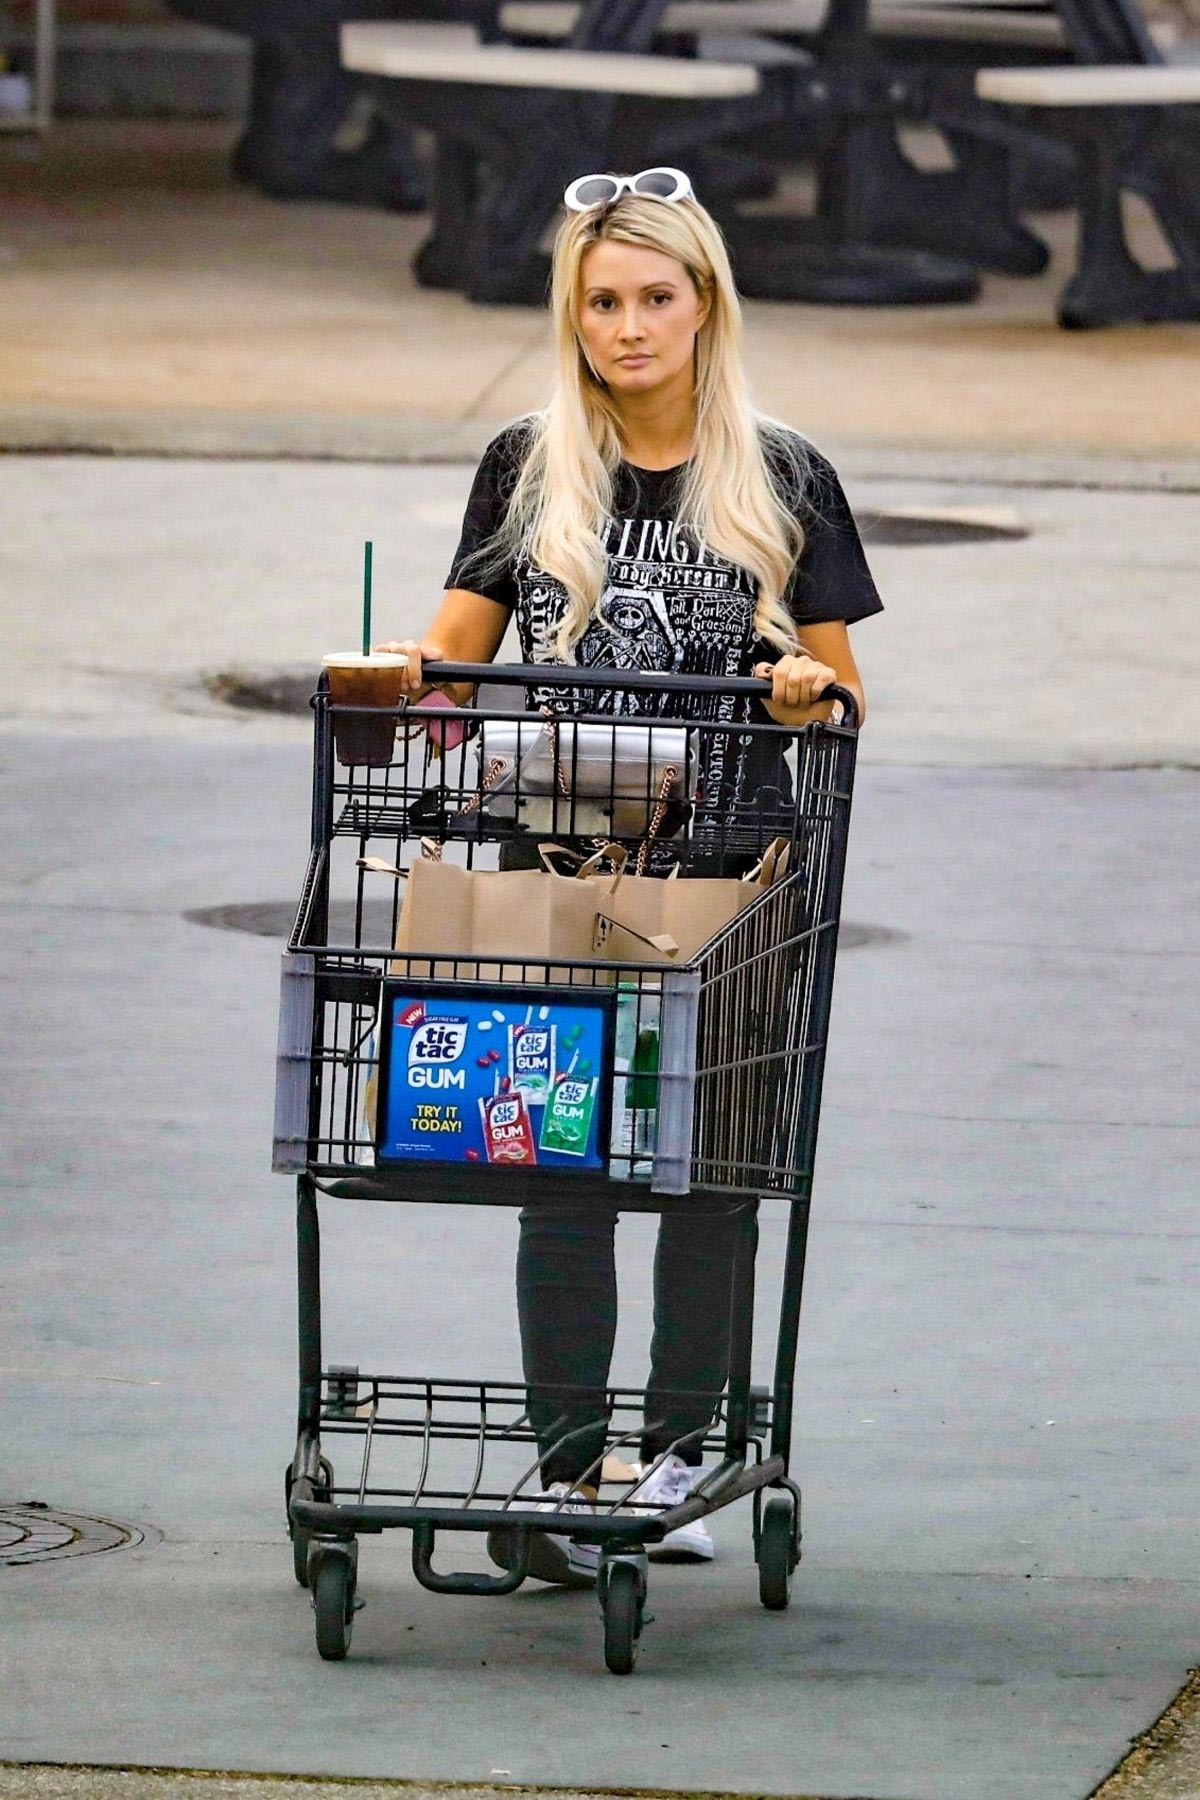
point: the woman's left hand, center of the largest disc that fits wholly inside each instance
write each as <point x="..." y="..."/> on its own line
<point x="796" y="681"/>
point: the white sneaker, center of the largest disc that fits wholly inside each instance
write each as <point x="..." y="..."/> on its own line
<point x="552" y="1555"/>
<point x="669" y="1484"/>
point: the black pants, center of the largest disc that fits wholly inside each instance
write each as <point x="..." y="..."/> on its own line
<point x="567" y="1303"/>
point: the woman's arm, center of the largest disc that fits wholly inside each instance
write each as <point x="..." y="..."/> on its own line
<point x="798" y="680"/>
<point x="468" y="628"/>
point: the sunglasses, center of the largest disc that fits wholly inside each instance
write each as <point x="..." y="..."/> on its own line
<point x="652" y="184"/>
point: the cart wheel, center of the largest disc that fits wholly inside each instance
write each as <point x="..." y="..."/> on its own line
<point x="623" y="1602"/>
<point x="776" y="1554"/>
<point x="333" y="1603"/>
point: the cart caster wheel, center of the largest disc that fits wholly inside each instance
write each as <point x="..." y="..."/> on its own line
<point x="333" y="1603"/>
<point x="624" y="1601"/>
<point x="776" y="1554"/>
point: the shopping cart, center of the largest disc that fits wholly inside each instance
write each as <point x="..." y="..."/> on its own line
<point x="723" y="1114"/>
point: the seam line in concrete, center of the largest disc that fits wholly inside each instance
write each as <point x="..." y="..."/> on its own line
<point x="916" y="1112"/>
<point x="843" y="1222"/>
<point x="1185" y="484"/>
<point x="413" y="1785"/>
<point x="168" y="1541"/>
<point x="1117" y="951"/>
<point x="1076" y="949"/>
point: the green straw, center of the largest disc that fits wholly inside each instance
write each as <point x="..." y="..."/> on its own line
<point x="367" y="547"/>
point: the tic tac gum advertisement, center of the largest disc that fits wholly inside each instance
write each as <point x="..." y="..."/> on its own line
<point x="516" y="1081"/>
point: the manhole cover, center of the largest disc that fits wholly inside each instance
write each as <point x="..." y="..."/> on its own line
<point x="275" y="918"/>
<point x="32" y="1532"/>
<point x="854" y="937"/>
<point x="276" y="690"/>
<point x="940" y="525"/>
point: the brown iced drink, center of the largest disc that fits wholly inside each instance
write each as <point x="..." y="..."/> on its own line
<point x="358" y="680"/>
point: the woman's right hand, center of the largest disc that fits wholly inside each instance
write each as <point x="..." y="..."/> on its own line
<point x="413" y="686"/>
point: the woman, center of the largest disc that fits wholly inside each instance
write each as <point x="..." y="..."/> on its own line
<point x="648" y="519"/>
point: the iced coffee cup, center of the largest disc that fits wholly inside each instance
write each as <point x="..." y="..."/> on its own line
<point x="370" y="680"/>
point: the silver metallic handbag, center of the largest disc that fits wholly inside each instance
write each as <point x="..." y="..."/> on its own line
<point x="625" y="781"/>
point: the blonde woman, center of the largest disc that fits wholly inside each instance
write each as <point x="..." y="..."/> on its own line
<point x="650" y="518"/>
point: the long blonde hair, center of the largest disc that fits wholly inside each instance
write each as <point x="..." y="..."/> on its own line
<point x="563" y="494"/>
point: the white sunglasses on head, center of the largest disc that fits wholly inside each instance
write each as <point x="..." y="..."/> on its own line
<point x="587" y="191"/>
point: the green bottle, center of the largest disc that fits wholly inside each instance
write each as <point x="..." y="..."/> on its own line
<point x="642" y="1098"/>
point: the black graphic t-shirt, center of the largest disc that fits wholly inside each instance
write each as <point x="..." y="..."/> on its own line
<point x="670" y="604"/>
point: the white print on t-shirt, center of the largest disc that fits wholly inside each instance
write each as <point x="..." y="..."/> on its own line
<point x="635" y="632"/>
<point x="659" y="540"/>
<point x="671" y="605"/>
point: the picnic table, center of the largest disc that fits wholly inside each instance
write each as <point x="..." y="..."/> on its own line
<point x="538" y="91"/>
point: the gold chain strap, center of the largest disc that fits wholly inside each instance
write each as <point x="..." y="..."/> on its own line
<point x="496" y="767"/>
<point x="551" y="718"/>
<point x="669" y="778"/>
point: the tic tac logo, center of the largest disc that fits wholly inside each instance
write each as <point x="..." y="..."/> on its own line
<point x="571" y="1093"/>
<point x="435" y="1045"/>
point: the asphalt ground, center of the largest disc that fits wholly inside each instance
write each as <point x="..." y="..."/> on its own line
<point x="995" y="1431"/>
<point x="1073" y="642"/>
<point x="997" y="1427"/>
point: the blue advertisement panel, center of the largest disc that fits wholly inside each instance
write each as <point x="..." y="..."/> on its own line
<point x="516" y="1077"/>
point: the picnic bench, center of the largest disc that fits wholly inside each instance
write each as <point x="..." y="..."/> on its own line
<point x="1131" y="126"/>
<point x="936" y="20"/>
<point x="930" y="54"/>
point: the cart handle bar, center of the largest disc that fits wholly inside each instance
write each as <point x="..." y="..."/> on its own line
<point x="633" y="681"/>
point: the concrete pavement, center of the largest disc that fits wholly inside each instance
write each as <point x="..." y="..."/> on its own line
<point x="150" y="305"/>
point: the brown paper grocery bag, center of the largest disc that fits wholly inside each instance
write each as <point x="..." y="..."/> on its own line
<point x="646" y="919"/>
<point x="524" y="914"/>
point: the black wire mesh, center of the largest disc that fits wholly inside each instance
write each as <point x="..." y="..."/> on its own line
<point x="680" y="796"/>
<point x="721" y="787"/>
<point x="425" y="1441"/>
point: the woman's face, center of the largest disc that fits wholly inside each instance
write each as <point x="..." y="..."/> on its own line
<point x="639" y="313"/>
